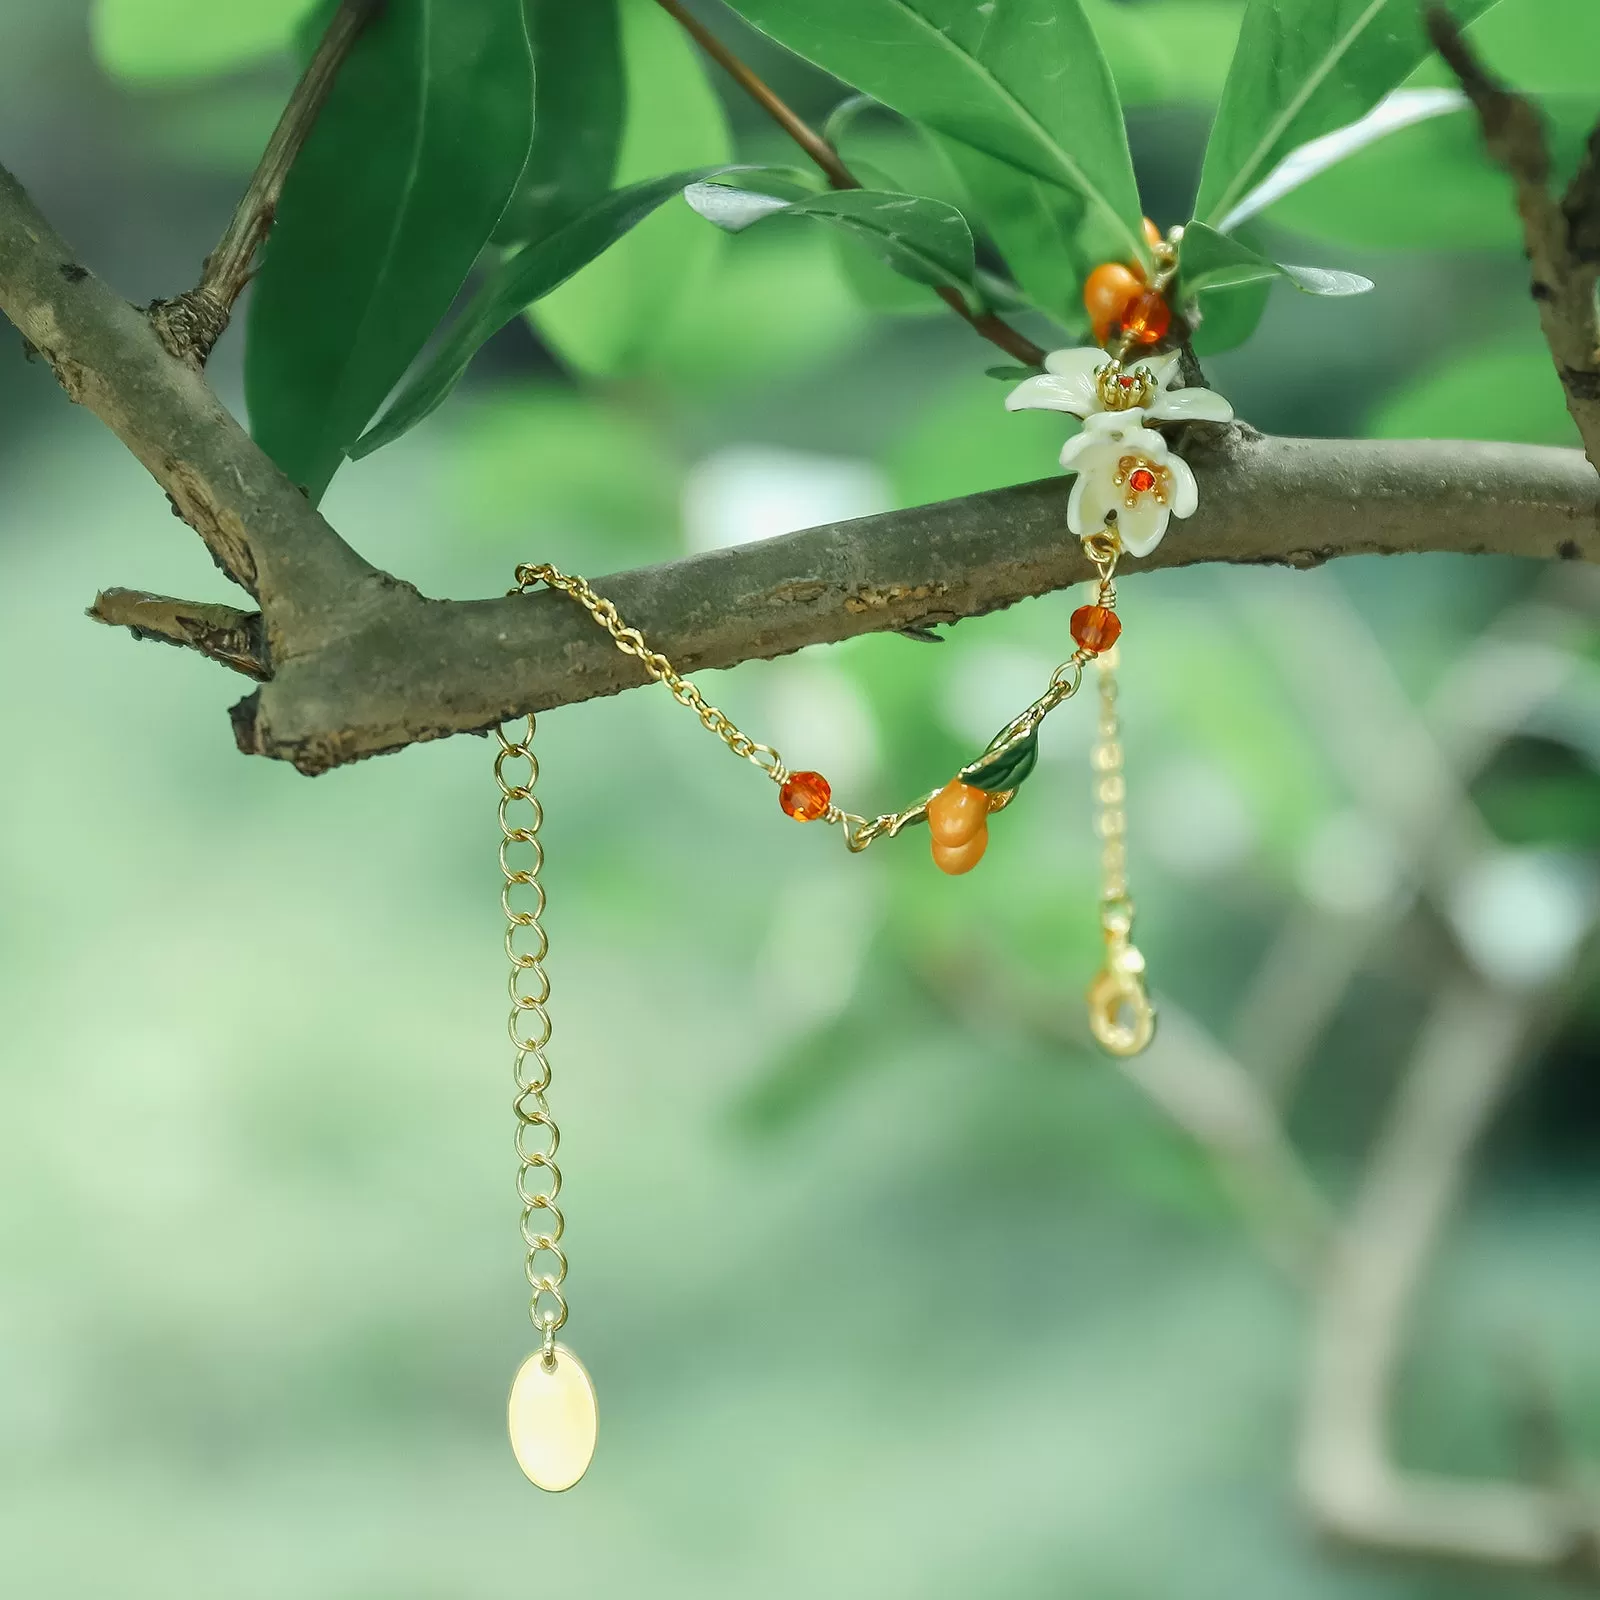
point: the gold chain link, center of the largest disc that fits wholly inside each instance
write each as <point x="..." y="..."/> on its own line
<point x="537" y="1137"/>
<point x="1120" y="1014"/>
<point x="859" y="831"/>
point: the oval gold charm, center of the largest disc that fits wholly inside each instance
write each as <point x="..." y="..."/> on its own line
<point x="553" y="1419"/>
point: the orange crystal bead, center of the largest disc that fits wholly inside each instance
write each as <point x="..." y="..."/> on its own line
<point x="1108" y="293"/>
<point x="1147" y="319"/>
<point x="957" y="812"/>
<point x="805" y="796"/>
<point x="1096" y="628"/>
<point x="958" y="858"/>
<point x="1152" y="234"/>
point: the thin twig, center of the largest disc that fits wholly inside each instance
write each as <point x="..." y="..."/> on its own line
<point x="1562" y="236"/>
<point x="995" y="329"/>
<point x="221" y="632"/>
<point x="191" y="324"/>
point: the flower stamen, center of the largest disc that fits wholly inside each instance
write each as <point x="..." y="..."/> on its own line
<point x="1123" y="391"/>
<point x="1139" y="475"/>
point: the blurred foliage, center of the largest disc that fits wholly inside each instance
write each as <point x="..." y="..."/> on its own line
<point x="815" y="1164"/>
<point x="165" y="39"/>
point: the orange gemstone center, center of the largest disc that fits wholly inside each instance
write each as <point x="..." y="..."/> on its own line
<point x="1141" y="480"/>
<point x="805" y="796"/>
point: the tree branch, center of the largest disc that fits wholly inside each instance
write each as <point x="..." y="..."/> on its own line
<point x="1465" y="1062"/>
<point x="427" y="668"/>
<point x="995" y="329"/>
<point x="259" y="527"/>
<point x="362" y="663"/>
<point x="223" y="633"/>
<point x="191" y="324"/>
<point x="1562" y="237"/>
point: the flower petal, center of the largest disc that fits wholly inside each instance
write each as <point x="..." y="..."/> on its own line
<point x="1082" y="362"/>
<point x="1164" y="368"/>
<point x="1147" y="442"/>
<point x="1191" y="405"/>
<point x="1075" y="447"/>
<point x="1077" y="369"/>
<point x="1075" y="509"/>
<point x="1140" y="527"/>
<point x="1045" y="393"/>
<point x="1185" y="491"/>
<point x="1093" y="495"/>
<point x="1119" y="429"/>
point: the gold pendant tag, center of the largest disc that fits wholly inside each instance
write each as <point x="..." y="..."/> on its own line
<point x="553" y="1418"/>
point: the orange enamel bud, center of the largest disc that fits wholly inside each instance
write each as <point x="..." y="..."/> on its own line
<point x="805" y="796"/>
<point x="1096" y="628"/>
<point x="957" y="812"/>
<point x="1152" y="234"/>
<point x="958" y="858"/>
<point x="1147" y="319"/>
<point x="1108" y="293"/>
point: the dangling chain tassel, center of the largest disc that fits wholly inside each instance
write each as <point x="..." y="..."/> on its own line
<point x="552" y="1415"/>
<point x="1121" y="1017"/>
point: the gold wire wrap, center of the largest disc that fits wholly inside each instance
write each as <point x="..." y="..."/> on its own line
<point x="859" y="832"/>
<point x="538" y="1175"/>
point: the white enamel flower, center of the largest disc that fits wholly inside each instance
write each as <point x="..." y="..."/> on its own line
<point x="1127" y="476"/>
<point x="1071" y="382"/>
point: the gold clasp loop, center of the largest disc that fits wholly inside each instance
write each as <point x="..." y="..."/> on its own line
<point x="1121" y="1017"/>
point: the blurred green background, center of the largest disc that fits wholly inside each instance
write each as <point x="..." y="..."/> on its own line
<point x="889" y="1284"/>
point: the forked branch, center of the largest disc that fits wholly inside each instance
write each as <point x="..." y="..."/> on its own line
<point x="1562" y="235"/>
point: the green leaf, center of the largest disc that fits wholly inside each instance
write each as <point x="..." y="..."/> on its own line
<point x="1302" y="69"/>
<point x="1430" y="186"/>
<point x="1228" y="317"/>
<point x="1508" y="390"/>
<point x="1037" y="227"/>
<point x="617" y="313"/>
<point x="518" y="282"/>
<point x="1403" y="109"/>
<point x="924" y="240"/>
<point x="1020" y="80"/>
<point x="401" y="183"/>
<point x="1211" y="260"/>
<point x="1187" y="46"/>
<point x="155" y="39"/>
<point x="577" y="61"/>
<point x="1005" y="764"/>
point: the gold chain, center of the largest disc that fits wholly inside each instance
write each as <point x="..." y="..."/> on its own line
<point x="537" y="1137"/>
<point x="859" y="831"/>
<point x="1120" y="1014"/>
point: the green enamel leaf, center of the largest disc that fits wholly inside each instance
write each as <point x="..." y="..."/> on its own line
<point x="577" y="58"/>
<point x="433" y="111"/>
<point x="924" y="240"/>
<point x="1023" y="81"/>
<point x="517" y="283"/>
<point x="1302" y="69"/>
<point x="1006" y="766"/>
